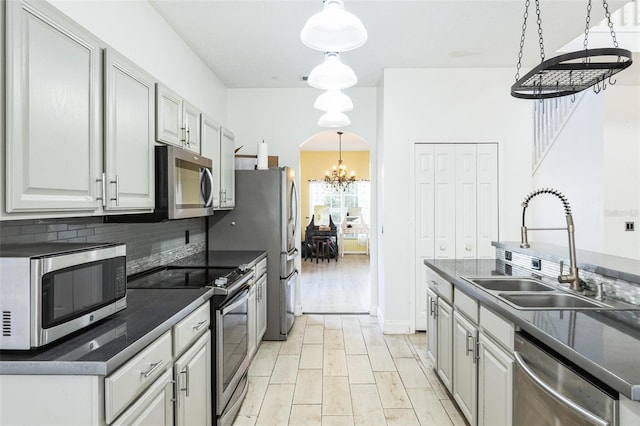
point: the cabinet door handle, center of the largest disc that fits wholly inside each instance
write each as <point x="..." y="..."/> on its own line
<point x="477" y="354"/>
<point x="185" y="371"/>
<point x="103" y="185"/>
<point x="184" y="133"/>
<point x="188" y="138"/>
<point x="117" y="199"/>
<point x="470" y="347"/>
<point x="154" y="366"/>
<point x="199" y="325"/>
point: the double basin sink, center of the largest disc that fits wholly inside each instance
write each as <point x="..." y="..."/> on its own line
<point x="533" y="294"/>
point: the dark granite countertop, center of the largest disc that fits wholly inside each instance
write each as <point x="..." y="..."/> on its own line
<point x="102" y="348"/>
<point x="221" y="258"/>
<point x="606" y="344"/>
<point x="600" y="263"/>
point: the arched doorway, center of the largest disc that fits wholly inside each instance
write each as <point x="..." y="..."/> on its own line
<point x="342" y="283"/>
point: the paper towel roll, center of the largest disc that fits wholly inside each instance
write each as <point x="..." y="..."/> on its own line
<point x="263" y="156"/>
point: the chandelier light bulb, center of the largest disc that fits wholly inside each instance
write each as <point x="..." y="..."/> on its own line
<point x="333" y="100"/>
<point x="334" y="29"/>
<point x="332" y="74"/>
<point x="334" y="119"/>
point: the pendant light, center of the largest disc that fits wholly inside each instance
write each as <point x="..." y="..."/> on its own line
<point x="334" y="119"/>
<point x="333" y="100"/>
<point x="334" y="29"/>
<point x="332" y="74"/>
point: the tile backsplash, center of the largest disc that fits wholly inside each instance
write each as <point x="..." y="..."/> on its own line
<point x="613" y="288"/>
<point x="148" y="244"/>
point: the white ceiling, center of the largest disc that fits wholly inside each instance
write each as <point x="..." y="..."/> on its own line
<point x="256" y="43"/>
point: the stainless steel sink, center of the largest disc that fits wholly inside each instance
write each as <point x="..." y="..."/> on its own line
<point x="549" y="301"/>
<point x="511" y="284"/>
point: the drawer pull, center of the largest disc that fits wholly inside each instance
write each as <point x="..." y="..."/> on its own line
<point x="154" y="367"/>
<point x="199" y="325"/>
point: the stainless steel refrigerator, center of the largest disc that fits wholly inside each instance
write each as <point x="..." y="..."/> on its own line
<point x="265" y="217"/>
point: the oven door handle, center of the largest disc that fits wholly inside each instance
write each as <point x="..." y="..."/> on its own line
<point x="581" y="411"/>
<point x="237" y="301"/>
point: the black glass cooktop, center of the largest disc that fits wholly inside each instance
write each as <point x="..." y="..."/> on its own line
<point x="181" y="277"/>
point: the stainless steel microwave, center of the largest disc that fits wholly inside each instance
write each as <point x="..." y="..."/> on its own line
<point x="184" y="184"/>
<point x="50" y="290"/>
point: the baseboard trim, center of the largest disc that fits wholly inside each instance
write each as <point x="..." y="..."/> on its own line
<point x="396" y="328"/>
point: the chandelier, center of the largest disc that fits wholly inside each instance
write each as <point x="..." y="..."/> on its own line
<point x="339" y="177"/>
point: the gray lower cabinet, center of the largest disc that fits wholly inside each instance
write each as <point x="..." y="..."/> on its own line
<point x="432" y="326"/>
<point x="192" y="372"/>
<point x="252" y="309"/>
<point x="261" y="318"/>
<point x="53" y="114"/>
<point x="444" y="367"/>
<point x="471" y="348"/>
<point x="129" y="135"/>
<point x="495" y="383"/>
<point x="153" y="407"/>
<point x="465" y="335"/>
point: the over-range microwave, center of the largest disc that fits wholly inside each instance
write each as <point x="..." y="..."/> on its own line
<point x="50" y="290"/>
<point x="184" y="184"/>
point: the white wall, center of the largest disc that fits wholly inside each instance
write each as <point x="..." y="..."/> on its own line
<point x="595" y="162"/>
<point x="574" y="166"/>
<point x="136" y="30"/>
<point x="622" y="170"/>
<point x="285" y="119"/>
<point x="444" y="105"/>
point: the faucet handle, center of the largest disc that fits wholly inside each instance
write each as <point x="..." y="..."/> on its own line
<point x="561" y="266"/>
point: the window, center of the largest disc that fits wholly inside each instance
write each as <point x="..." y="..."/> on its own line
<point x="357" y="195"/>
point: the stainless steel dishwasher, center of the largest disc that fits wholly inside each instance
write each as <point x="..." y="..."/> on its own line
<point x="550" y="391"/>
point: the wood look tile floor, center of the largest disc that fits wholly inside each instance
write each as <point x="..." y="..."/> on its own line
<point x="341" y="370"/>
<point x="336" y="287"/>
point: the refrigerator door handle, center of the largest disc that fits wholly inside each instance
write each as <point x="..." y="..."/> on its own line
<point x="292" y="254"/>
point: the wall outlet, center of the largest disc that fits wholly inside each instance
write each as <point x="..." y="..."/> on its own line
<point x="536" y="264"/>
<point x="629" y="226"/>
<point x="507" y="255"/>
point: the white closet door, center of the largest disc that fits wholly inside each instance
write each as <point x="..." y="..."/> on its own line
<point x="465" y="210"/>
<point x="487" y="199"/>
<point x="424" y="225"/>
<point x="445" y="201"/>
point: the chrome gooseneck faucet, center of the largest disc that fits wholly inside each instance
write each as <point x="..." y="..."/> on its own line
<point x="572" y="278"/>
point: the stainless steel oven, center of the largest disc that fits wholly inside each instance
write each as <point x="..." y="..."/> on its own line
<point x="232" y="357"/>
<point x="549" y="390"/>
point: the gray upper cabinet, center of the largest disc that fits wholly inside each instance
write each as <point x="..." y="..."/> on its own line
<point x="129" y="135"/>
<point x="53" y="111"/>
<point x="168" y="116"/>
<point x="218" y="144"/>
<point x="210" y="138"/>
<point x="177" y="121"/>
<point x="191" y="124"/>
<point x="227" y="169"/>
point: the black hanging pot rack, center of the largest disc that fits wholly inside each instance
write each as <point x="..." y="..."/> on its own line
<point x="572" y="72"/>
